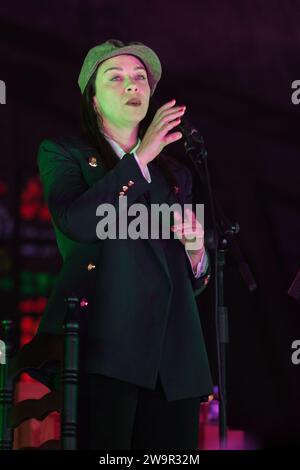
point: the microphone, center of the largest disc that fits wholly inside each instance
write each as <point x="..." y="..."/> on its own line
<point x="190" y="133"/>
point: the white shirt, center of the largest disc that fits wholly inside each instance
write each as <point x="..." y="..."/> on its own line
<point x="202" y="265"/>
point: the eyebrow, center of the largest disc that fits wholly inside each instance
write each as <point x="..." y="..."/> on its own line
<point x="120" y="68"/>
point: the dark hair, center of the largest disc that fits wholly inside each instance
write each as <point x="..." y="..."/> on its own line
<point x="93" y="134"/>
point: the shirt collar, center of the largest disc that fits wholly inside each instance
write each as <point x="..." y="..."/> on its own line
<point x="119" y="151"/>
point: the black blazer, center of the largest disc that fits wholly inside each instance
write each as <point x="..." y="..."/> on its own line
<point x="142" y="318"/>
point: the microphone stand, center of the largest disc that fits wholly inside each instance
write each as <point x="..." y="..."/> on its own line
<point x="222" y="229"/>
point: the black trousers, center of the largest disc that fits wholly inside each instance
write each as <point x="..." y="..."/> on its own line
<point x="113" y="414"/>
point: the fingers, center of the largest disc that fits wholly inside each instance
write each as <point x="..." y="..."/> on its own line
<point x="188" y="222"/>
<point x="167" y="123"/>
<point x="187" y="230"/>
<point x="167" y="117"/>
<point x="189" y="215"/>
<point x="168" y="120"/>
<point x="174" y="112"/>
<point x="168" y="110"/>
<point x="169" y="114"/>
<point x="168" y="126"/>
<point x="167" y="105"/>
<point x="168" y="139"/>
<point x="162" y="109"/>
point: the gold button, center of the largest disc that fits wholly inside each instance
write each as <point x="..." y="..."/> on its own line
<point x="91" y="266"/>
<point x="93" y="161"/>
<point x="84" y="303"/>
<point x="130" y="183"/>
<point x="124" y="188"/>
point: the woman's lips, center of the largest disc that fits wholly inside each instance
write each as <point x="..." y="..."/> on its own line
<point x="133" y="104"/>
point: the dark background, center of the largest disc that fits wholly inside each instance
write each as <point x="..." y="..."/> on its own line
<point x="232" y="63"/>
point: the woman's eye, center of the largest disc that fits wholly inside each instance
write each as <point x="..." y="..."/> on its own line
<point x="118" y="76"/>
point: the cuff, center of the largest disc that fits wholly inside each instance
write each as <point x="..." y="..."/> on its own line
<point x="201" y="266"/>
<point x="144" y="170"/>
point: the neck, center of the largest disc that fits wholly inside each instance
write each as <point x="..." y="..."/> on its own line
<point x="126" y="137"/>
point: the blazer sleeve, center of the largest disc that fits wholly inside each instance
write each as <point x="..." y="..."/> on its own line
<point x="200" y="283"/>
<point x="71" y="202"/>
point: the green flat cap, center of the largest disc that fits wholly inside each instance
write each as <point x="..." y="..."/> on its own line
<point x="114" y="47"/>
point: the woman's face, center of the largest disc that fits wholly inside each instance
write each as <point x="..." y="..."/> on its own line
<point x="114" y="87"/>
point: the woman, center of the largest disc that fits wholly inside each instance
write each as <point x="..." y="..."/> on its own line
<point x="143" y="360"/>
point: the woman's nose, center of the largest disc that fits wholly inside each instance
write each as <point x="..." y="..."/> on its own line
<point x="131" y="86"/>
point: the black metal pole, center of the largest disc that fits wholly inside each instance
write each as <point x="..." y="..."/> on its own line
<point x="195" y="150"/>
<point x="222" y="319"/>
